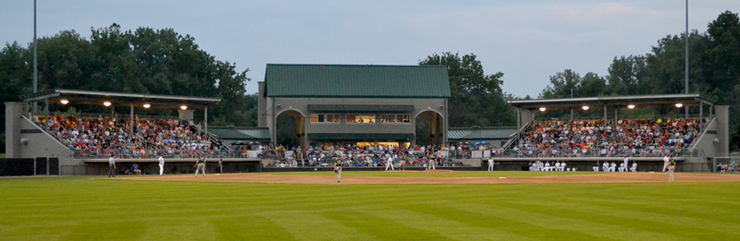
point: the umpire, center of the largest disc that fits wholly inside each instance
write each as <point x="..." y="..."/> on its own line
<point x="111" y="167"/>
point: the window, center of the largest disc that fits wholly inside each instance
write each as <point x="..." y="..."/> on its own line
<point x="361" y="118"/>
<point x="324" y="118"/>
<point x="394" y="118"/>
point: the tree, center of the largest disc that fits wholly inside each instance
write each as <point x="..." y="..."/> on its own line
<point x="626" y="76"/>
<point x="476" y="98"/>
<point x="561" y="85"/>
<point x="141" y="61"/>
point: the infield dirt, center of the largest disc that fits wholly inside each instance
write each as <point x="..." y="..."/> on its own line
<point x="640" y="177"/>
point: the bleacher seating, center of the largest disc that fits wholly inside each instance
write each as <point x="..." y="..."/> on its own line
<point x="103" y="137"/>
<point x="632" y="137"/>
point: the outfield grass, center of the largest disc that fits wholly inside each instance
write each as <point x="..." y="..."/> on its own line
<point x="84" y="208"/>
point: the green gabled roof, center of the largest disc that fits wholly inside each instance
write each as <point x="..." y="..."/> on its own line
<point x="241" y="134"/>
<point x="369" y="81"/>
<point x="466" y="134"/>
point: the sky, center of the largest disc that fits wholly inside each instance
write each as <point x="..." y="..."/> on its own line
<point x="528" y="41"/>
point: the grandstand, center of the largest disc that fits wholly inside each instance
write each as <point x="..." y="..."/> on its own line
<point x="694" y="140"/>
<point x="74" y="145"/>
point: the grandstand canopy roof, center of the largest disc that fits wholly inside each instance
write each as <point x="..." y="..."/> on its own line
<point x="613" y="101"/>
<point x="242" y="133"/>
<point x="357" y="81"/>
<point x="83" y="97"/>
<point x="476" y="134"/>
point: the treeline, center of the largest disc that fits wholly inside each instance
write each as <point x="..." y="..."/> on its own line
<point x="139" y="61"/>
<point x="714" y="71"/>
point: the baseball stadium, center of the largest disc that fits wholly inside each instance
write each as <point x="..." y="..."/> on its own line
<point x="547" y="181"/>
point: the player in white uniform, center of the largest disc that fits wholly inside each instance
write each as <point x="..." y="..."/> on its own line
<point x="613" y="167"/>
<point x="161" y="165"/>
<point x="665" y="163"/>
<point x="634" y="167"/>
<point x="626" y="163"/>
<point x="671" y="168"/>
<point x="490" y="164"/>
<point x="606" y="166"/>
<point x="557" y="166"/>
<point x="547" y="166"/>
<point x="389" y="163"/>
<point x="562" y="167"/>
<point x="432" y="163"/>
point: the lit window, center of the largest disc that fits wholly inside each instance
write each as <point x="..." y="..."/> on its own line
<point x="324" y="118"/>
<point x="361" y="118"/>
<point x="395" y="118"/>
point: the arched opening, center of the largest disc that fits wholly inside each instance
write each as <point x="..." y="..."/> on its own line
<point x="429" y="128"/>
<point x="290" y="128"/>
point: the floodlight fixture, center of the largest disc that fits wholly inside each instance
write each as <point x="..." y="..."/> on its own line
<point x="585" y="107"/>
<point x="543" y="109"/>
<point x="184" y="107"/>
<point x="64" y="101"/>
<point x="107" y="103"/>
<point x="631" y="106"/>
<point x="147" y="105"/>
<point x="679" y="105"/>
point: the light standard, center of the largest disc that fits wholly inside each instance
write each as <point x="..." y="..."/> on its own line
<point x="686" y="78"/>
<point x="35" y="62"/>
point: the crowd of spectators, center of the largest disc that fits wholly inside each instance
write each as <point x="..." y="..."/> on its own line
<point x="358" y="156"/>
<point x="103" y="137"/>
<point x="633" y="137"/>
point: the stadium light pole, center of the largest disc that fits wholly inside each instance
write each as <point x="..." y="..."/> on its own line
<point x="686" y="78"/>
<point x="35" y="62"/>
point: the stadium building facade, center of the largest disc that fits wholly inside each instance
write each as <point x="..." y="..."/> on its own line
<point x="355" y="104"/>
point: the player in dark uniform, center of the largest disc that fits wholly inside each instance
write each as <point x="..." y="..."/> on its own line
<point x="671" y="168"/>
<point x="200" y="166"/>
<point x="338" y="170"/>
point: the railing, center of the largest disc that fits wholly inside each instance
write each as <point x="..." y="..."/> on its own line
<point x="704" y="129"/>
<point x="514" y="138"/>
<point x="596" y="152"/>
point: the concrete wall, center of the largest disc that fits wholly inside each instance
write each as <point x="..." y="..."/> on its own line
<point x="261" y="105"/>
<point x="13" y="112"/>
<point x="722" y="113"/>
<point x="24" y="139"/>
<point x="41" y="144"/>
<point x="275" y="106"/>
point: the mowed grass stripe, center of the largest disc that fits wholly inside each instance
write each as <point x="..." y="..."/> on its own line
<point x="314" y="226"/>
<point x="443" y="226"/>
<point x="102" y="209"/>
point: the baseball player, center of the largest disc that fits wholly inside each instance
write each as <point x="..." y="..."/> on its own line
<point x="634" y="167"/>
<point x="613" y="167"/>
<point x="490" y="164"/>
<point x="666" y="159"/>
<point x="201" y="166"/>
<point x="389" y="163"/>
<point x="606" y="166"/>
<point x="338" y="170"/>
<point x="626" y="162"/>
<point x="432" y="163"/>
<point x="671" y="168"/>
<point x="161" y="165"/>
<point x="111" y="167"/>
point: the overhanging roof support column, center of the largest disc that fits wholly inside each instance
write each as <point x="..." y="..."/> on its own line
<point x="132" y="121"/>
<point x="205" y="113"/>
<point x="46" y="113"/>
<point x="604" y="118"/>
